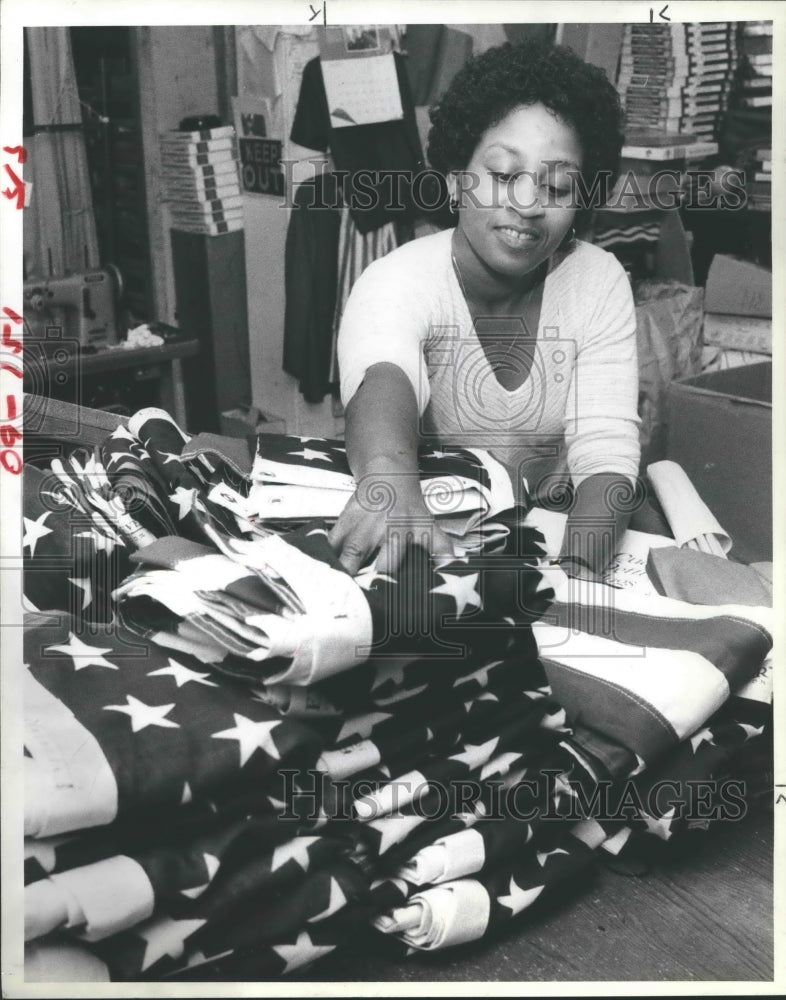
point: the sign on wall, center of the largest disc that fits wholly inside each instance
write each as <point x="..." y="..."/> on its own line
<point x="260" y="166"/>
<point x="260" y="156"/>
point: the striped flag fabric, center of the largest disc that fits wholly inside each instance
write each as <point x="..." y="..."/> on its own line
<point x="228" y="780"/>
<point x="646" y="672"/>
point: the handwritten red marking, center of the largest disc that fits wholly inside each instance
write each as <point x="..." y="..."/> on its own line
<point x="18" y="151"/>
<point x="18" y="191"/>
<point x="11" y="461"/>
<point x="9" y="341"/>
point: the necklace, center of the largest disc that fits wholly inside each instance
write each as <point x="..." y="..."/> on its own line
<point x="514" y="339"/>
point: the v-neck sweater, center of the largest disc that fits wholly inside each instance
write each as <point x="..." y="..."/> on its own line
<point x="575" y="414"/>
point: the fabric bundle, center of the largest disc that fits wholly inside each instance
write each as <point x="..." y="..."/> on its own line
<point x="252" y="757"/>
<point x="283" y="610"/>
<point x="73" y="557"/>
<point x="303" y="478"/>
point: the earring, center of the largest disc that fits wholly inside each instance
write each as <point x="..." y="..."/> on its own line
<point x="567" y="240"/>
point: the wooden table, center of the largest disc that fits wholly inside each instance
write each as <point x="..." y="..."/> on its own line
<point x="53" y="367"/>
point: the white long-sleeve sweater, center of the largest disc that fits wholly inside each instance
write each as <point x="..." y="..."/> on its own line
<point x="575" y="413"/>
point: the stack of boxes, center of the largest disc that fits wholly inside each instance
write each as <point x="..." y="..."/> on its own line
<point x="200" y="173"/>
<point x="677" y="83"/>
<point x="755" y="75"/>
<point x="758" y="180"/>
<point x="676" y="77"/>
<point x="674" y="82"/>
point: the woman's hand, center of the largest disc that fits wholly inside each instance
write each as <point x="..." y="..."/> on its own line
<point x="596" y="523"/>
<point x="387" y="509"/>
<point x="385" y="513"/>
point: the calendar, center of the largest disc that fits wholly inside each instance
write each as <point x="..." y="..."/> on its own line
<point x="362" y="91"/>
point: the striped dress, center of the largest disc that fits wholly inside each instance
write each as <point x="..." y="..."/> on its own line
<point x="576" y="412"/>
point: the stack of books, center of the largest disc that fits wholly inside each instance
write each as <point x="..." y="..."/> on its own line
<point x="677" y="77"/>
<point x="200" y="173"/>
<point x="755" y="71"/>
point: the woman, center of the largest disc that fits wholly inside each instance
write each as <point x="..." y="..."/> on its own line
<point x="506" y="332"/>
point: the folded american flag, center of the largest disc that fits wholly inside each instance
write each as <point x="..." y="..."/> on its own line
<point x="307" y="478"/>
<point x="645" y="673"/>
<point x="193" y="903"/>
<point x="73" y="558"/>
<point x="132" y="726"/>
<point x="326" y="622"/>
<point x="254" y="780"/>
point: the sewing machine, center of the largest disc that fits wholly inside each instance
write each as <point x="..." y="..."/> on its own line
<point x="83" y="305"/>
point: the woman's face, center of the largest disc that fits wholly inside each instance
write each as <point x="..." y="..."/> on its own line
<point x="515" y="198"/>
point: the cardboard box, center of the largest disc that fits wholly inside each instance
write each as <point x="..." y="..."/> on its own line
<point x="720" y="432"/>
<point x="738" y="287"/>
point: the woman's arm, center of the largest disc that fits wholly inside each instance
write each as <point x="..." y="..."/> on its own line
<point x="382" y="423"/>
<point x="598" y="519"/>
<point x="603" y="442"/>
<point x="382" y="444"/>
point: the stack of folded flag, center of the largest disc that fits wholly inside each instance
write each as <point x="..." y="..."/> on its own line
<point x="297" y="479"/>
<point x="260" y="756"/>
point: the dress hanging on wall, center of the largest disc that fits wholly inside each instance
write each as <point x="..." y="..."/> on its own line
<point x="325" y="254"/>
<point x="311" y="279"/>
<point x="379" y="148"/>
<point x="330" y="238"/>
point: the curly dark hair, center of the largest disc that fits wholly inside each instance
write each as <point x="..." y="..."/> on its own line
<point x="491" y="85"/>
